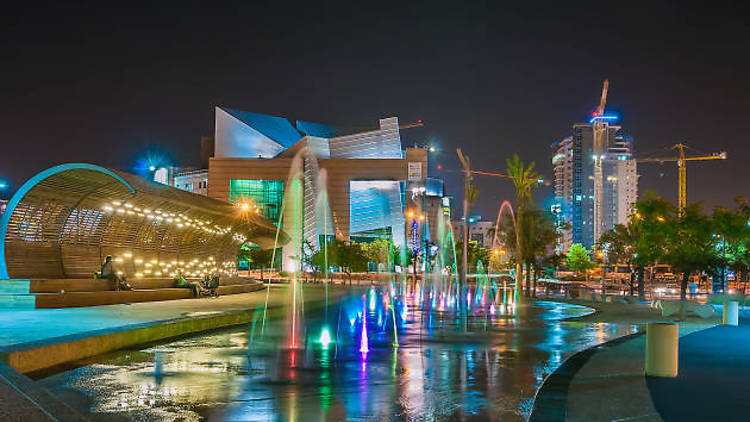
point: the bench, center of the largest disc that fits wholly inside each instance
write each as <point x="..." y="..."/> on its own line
<point x="672" y="307"/>
<point x="68" y="293"/>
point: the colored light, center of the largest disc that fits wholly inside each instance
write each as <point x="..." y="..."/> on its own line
<point x="595" y="118"/>
<point x="364" y="347"/>
<point x="325" y="338"/>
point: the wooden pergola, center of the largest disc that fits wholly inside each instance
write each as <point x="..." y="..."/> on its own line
<point x="64" y="221"/>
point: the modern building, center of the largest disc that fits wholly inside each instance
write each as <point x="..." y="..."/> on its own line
<point x="352" y="183"/>
<point x="194" y="180"/>
<point x="3" y="204"/>
<point x="480" y="231"/>
<point x="573" y="160"/>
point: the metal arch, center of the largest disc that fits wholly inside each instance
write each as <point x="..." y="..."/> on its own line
<point x="30" y="184"/>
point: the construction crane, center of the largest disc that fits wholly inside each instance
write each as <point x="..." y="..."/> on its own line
<point x="600" y="129"/>
<point x="681" y="161"/>
<point x="418" y="123"/>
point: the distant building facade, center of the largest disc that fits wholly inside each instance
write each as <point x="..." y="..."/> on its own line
<point x="573" y="168"/>
<point x="480" y="231"/>
<point x="3" y="205"/>
<point x="195" y="181"/>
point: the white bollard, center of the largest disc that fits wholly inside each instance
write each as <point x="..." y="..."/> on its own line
<point x="730" y="316"/>
<point x="662" y="345"/>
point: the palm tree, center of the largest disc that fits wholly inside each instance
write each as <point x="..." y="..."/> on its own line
<point x="524" y="179"/>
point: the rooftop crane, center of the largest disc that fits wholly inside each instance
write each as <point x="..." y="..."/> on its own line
<point x="600" y="128"/>
<point x="681" y="161"/>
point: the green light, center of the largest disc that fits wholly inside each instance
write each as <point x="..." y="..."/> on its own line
<point x="325" y="338"/>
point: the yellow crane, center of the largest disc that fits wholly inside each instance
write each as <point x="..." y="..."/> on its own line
<point x="681" y="161"/>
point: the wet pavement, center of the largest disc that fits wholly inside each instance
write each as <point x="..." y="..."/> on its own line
<point x="441" y="369"/>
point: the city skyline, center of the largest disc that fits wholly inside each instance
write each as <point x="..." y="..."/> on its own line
<point x="527" y="77"/>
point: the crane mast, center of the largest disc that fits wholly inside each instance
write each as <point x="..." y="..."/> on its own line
<point x="600" y="128"/>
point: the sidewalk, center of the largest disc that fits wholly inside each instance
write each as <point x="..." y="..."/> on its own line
<point x="40" y="338"/>
<point x="607" y="382"/>
<point x="712" y="380"/>
<point x="44" y="325"/>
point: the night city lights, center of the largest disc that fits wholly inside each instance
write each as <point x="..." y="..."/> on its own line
<point x="381" y="211"/>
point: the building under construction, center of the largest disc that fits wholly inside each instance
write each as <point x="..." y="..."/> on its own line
<point x="595" y="176"/>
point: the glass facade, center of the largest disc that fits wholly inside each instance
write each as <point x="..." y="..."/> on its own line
<point x="375" y="210"/>
<point x="268" y="195"/>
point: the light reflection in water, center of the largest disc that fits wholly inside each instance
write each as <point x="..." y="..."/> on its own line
<point x="437" y="372"/>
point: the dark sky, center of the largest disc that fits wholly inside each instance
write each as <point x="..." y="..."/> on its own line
<point x="105" y="84"/>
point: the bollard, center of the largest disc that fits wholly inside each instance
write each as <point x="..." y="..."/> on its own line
<point x="662" y="341"/>
<point x="730" y="316"/>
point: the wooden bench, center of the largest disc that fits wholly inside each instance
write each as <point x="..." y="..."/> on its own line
<point x="69" y="293"/>
<point x="98" y="285"/>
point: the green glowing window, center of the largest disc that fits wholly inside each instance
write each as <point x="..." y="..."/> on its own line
<point x="266" y="194"/>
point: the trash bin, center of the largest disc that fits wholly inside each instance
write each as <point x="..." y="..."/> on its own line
<point x="662" y="341"/>
<point x="730" y="316"/>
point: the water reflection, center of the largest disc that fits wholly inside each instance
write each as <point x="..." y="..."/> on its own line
<point x="437" y="372"/>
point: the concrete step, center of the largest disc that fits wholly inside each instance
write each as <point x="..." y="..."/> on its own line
<point x="10" y="287"/>
<point x="17" y="301"/>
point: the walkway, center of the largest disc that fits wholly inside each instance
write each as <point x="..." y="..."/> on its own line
<point x="607" y="382"/>
<point x="44" y="325"/>
<point x="712" y="383"/>
<point x="42" y="329"/>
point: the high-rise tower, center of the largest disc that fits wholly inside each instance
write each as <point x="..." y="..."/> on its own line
<point x="584" y="210"/>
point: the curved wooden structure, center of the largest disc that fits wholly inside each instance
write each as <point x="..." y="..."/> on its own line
<point x="65" y="220"/>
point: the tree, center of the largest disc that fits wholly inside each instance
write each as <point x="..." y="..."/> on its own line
<point x="648" y="224"/>
<point x="620" y="243"/>
<point x="475" y="253"/>
<point x="256" y="257"/>
<point x="539" y="239"/>
<point x="690" y="244"/>
<point x="578" y="258"/>
<point x="524" y="179"/>
<point x="381" y="251"/>
<point x="732" y="239"/>
<point x="349" y="256"/>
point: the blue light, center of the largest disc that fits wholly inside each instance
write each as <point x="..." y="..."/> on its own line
<point x="595" y="118"/>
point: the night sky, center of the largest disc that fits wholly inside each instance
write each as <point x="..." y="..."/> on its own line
<point x="107" y="85"/>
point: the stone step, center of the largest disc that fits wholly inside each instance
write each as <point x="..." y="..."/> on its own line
<point x="10" y="287"/>
<point x="17" y="301"/>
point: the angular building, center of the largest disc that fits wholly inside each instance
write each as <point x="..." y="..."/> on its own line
<point x="348" y="183"/>
<point x="573" y="161"/>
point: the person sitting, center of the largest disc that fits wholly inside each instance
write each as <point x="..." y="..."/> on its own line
<point x="211" y="285"/>
<point x="182" y="283"/>
<point x="109" y="272"/>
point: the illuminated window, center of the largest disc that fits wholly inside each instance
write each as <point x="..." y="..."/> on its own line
<point x="267" y="195"/>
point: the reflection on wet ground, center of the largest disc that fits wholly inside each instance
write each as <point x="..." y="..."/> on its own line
<point x="439" y="370"/>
